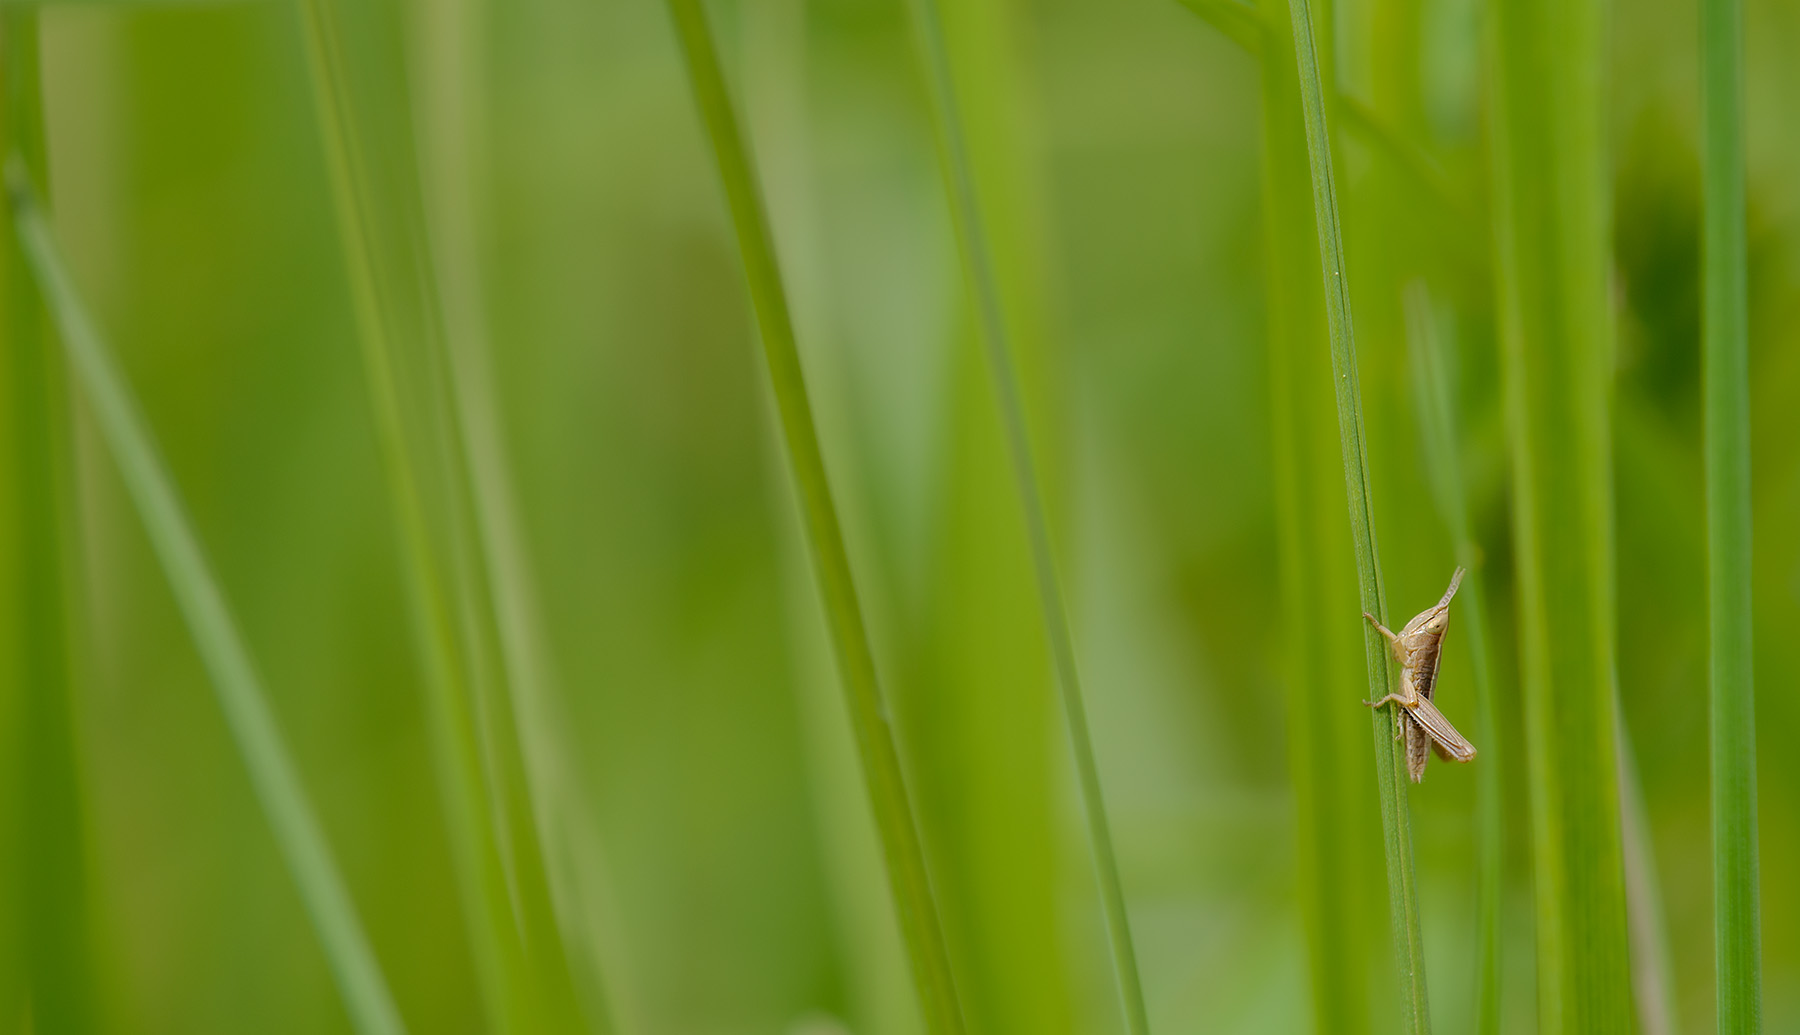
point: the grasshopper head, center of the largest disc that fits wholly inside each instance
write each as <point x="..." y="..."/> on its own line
<point x="1438" y="622"/>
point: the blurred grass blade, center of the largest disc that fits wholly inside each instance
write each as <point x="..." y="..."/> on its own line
<point x="1556" y="332"/>
<point x="1725" y="346"/>
<point x="1389" y="772"/>
<point x="910" y="882"/>
<point x="240" y="693"/>
<point x="520" y="955"/>
<point x="451" y="100"/>
<point x="979" y="267"/>
<point x="1238" y="22"/>
<point x="1251" y="29"/>
<point x="1442" y="433"/>
<point x="46" y="893"/>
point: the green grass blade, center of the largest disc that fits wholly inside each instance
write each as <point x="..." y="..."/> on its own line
<point x="1389" y="771"/>
<point x="1556" y="332"/>
<point x="984" y="284"/>
<point x="1336" y="822"/>
<point x="451" y="111"/>
<point x="911" y="885"/>
<point x="521" y="958"/>
<point x="1725" y="351"/>
<point x="51" y="908"/>
<point x="240" y="692"/>
<point x="1443" y="437"/>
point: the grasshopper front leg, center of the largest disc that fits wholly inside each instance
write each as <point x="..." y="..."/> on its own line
<point x="1387" y="634"/>
<point x="1406" y="696"/>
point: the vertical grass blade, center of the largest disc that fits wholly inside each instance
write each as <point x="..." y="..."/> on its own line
<point x="1389" y="772"/>
<point x="49" y="870"/>
<point x="1336" y="821"/>
<point x="1725" y="350"/>
<point x="239" y="690"/>
<point x="1556" y="334"/>
<point x="1443" y="436"/>
<point x="984" y="285"/>
<point x="520" y="955"/>
<point x="911" y="884"/>
<point x="451" y="111"/>
<point x="778" y="46"/>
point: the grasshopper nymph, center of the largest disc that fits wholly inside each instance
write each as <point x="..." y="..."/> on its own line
<point x="1419" y="648"/>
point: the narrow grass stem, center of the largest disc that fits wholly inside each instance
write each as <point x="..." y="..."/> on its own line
<point x="1337" y="823"/>
<point x="910" y="882"/>
<point x="1725" y="351"/>
<point x="1442" y="433"/>
<point x="1389" y="772"/>
<point x="239" y="689"/>
<point x="48" y="881"/>
<point x="984" y="283"/>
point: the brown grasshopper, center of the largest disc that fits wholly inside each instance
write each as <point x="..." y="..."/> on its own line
<point x="1419" y="649"/>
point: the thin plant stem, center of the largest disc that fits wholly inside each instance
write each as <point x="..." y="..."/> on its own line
<point x="984" y="283"/>
<point x="1726" y="362"/>
<point x="238" y="688"/>
<point x="1389" y="771"/>
<point x="1338" y="846"/>
<point x="1443" y="437"/>
<point x="907" y="875"/>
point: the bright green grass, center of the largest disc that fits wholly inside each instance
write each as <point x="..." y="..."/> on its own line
<point x="1156" y="258"/>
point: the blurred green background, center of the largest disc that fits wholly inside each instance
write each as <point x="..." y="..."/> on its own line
<point x="739" y="882"/>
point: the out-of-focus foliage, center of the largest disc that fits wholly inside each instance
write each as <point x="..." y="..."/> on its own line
<point x="1118" y="147"/>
